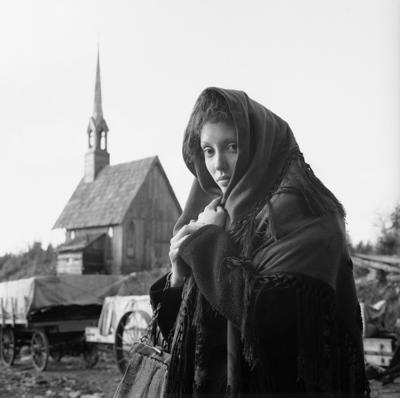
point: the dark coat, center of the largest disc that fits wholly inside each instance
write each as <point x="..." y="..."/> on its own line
<point x="300" y="334"/>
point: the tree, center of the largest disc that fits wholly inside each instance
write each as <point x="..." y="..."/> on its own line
<point x="363" y="248"/>
<point x="389" y="239"/>
<point x="34" y="261"/>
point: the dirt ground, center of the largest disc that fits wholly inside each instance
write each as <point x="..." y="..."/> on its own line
<point x="391" y="390"/>
<point x="65" y="379"/>
<point x="70" y="379"/>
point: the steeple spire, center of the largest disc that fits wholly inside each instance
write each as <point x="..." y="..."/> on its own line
<point x="97" y="156"/>
<point x="98" y="108"/>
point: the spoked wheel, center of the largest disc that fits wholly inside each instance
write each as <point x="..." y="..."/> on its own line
<point x="130" y="329"/>
<point x="7" y="346"/>
<point x="90" y="355"/>
<point x="40" y="350"/>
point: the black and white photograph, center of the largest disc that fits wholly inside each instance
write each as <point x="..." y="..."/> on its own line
<point x="200" y="199"/>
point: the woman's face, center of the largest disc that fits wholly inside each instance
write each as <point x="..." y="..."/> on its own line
<point x="218" y="142"/>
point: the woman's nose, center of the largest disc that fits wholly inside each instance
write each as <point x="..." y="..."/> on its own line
<point x="220" y="162"/>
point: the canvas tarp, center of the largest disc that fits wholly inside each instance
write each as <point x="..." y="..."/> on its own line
<point x="115" y="307"/>
<point x="21" y="297"/>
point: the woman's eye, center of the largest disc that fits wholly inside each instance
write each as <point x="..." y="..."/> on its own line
<point x="232" y="147"/>
<point x="207" y="151"/>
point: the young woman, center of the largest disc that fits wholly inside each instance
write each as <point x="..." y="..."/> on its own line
<point x="261" y="298"/>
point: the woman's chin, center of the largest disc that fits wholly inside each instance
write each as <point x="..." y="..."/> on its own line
<point x="223" y="186"/>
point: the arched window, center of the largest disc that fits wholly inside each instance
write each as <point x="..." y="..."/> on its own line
<point x="110" y="232"/>
<point x="103" y="142"/>
<point x="91" y="139"/>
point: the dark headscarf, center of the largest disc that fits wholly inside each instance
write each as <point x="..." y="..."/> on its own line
<point x="266" y="146"/>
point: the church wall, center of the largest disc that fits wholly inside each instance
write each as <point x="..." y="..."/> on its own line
<point x="148" y="224"/>
<point x="117" y="244"/>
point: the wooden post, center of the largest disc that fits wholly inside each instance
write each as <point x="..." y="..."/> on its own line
<point x="3" y="321"/>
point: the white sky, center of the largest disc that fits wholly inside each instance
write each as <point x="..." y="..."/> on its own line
<point x="330" y="68"/>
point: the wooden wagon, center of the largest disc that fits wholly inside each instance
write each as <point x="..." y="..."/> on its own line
<point x="123" y="320"/>
<point x="50" y="313"/>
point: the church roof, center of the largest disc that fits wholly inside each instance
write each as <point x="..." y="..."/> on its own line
<point x="80" y="243"/>
<point x="106" y="200"/>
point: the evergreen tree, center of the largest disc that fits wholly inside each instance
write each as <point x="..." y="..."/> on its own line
<point x="389" y="240"/>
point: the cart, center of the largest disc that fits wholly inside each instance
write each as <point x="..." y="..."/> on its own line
<point x="123" y="320"/>
<point x="50" y="313"/>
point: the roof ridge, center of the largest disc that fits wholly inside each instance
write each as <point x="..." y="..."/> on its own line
<point x="134" y="161"/>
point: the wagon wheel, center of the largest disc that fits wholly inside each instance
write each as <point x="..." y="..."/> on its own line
<point x="7" y="346"/>
<point x="40" y="350"/>
<point x="130" y="329"/>
<point x="90" y="355"/>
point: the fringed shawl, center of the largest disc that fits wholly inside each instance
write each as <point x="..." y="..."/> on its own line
<point x="285" y="228"/>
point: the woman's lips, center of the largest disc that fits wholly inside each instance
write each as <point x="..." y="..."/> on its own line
<point x="223" y="180"/>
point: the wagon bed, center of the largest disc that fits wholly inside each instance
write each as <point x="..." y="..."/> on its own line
<point x="123" y="320"/>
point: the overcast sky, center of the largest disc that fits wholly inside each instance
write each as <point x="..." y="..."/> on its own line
<point x="330" y="68"/>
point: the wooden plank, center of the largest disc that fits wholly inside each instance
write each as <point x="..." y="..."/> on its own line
<point x="379" y="360"/>
<point x="378" y="351"/>
<point x="379" y="258"/>
<point x="3" y="315"/>
<point x="360" y="262"/>
<point x="378" y="345"/>
<point x="92" y="335"/>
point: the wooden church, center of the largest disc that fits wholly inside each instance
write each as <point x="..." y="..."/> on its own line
<point x="120" y="218"/>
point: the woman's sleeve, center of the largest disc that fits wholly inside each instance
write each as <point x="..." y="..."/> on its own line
<point x="222" y="277"/>
<point x="169" y="300"/>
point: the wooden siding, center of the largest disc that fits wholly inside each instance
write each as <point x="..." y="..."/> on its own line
<point x="153" y="214"/>
<point x="117" y="244"/>
<point x="69" y="263"/>
<point x="88" y="259"/>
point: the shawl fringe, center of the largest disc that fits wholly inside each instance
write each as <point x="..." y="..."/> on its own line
<point x="329" y="362"/>
<point x="180" y="372"/>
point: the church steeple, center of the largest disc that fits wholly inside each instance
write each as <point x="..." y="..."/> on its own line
<point x="98" y="108"/>
<point x="97" y="156"/>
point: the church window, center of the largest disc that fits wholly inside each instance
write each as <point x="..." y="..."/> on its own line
<point x="103" y="140"/>
<point x="110" y="232"/>
<point x="91" y="139"/>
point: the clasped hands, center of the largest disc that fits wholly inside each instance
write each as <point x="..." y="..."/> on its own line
<point x="213" y="214"/>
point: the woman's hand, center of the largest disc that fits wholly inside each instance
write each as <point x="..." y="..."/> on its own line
<point x="179" y="270"/>
<point x="213" y="214"/>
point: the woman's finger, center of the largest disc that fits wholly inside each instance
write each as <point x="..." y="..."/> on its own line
<point x="173" y="254"/>
<point x="214" y="203"/>
<point x="183" y="231"/>
<point x="186" y="230"/>
<point x="177" y="243"/>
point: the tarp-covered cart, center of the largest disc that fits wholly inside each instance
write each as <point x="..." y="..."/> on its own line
<point x="50" y="314"/>
<point x="123" y="321"/>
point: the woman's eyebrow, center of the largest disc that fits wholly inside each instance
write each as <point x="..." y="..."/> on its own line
<point x="223" y="141"/>
<point x="226" y="140"/>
